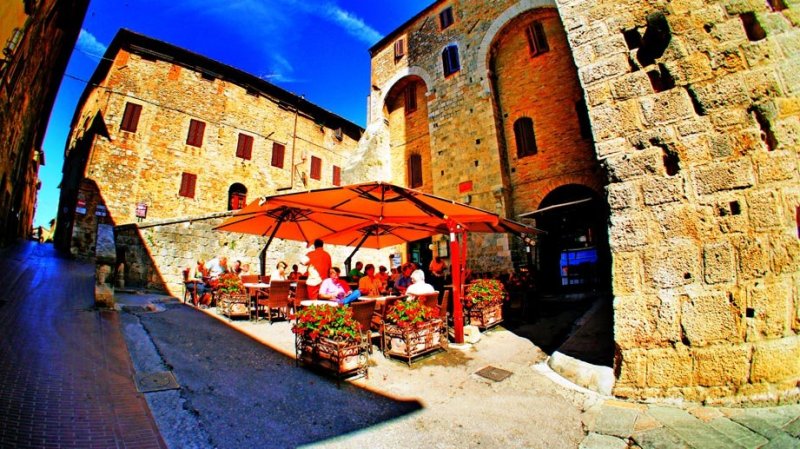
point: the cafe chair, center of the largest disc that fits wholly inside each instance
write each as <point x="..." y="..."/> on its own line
<point x="277" y="303"/>
<point x="379" y="319"/>
<point x="362" y="313"/>
<point x="189" y="291"/>
<point x="300" y="294"/>
<point x="429" y="299"/>
<point x="249" y="279"/>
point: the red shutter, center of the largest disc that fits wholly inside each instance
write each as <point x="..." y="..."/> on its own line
<point x="244" y="149"/>
<point x="415" y="170"/>
<point x="537" y="40"/>
<point x="278" y="151"/>
<point x="316" y="168"/>
<point x="337" y="175"/>
<point x="196" y="130"/>
<point x="446" y="17"/>
<point x="399" y="49"/>
<point x="411" y="97"/>
<point x="130" y="118"/>
<point x="188" y="182"/>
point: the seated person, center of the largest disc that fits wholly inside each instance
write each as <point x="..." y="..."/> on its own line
<point x="194" y="279"/>
<point x="279" y="273"/>
<point x="419" y="286"/>
<point x="217" y="266"/>
<point x="383" y="275"/>
<point x="405" y="278"/>
<point x="369" y="284"/>
<point x="294" y="274"/>
<point x="336" y="289"/>
<point x="355" y="274"/>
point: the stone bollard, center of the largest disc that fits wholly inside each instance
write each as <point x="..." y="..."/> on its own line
<point x="105" y="258"/>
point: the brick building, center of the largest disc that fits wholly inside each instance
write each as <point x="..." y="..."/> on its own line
<point x="655" y="141"/>
<point x="164" y="133"/>
<point x="37" y="39"/>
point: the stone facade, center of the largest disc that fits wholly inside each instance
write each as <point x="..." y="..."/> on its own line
<point x="695" y="122"/>
<point x="112" y="167"/>
<point x="37" y="39"/>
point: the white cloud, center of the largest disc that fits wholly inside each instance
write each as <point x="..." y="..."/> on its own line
<point x="89" y="45"/>
<point x="280" y="70"/>
<point x="353" y="25"/>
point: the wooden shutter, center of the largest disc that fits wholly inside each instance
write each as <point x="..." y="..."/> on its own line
<point x="446" y="17"/>
<point x="411" y="97"/>
<point x="450" y="60"/>
<point x="278" y="151"/>
<point x="337" y="175"/>
<point x="414" y="170"/>
<point x="244" y="149"/>
<point x="525" y="137"/>
<point x="537" y="40"/>
<point x="238" y="200"/>
<point x="188" y="182"/>
<point x="196" y="130"/>
<point x="316" y="168"/>
<point x="399" y="48"/>
<point x="130" y="118"/>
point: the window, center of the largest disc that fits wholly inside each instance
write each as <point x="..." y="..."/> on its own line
<point x="188" y="181"/>
<point x="526" y="140"/>
<point x="450" y="60"/>
<point x="410" y="94"/>
<point x="399" y="48"/>
<point x="316" y="168"/>
<point x="237" y="196"/>
<point x="414" y="170"/>
<point x="446" y="17"/>
<point x="537" y="40"/>
<point x="130" y="118"/>
<point x="244" y="149"/>
<point x="195" y="137"/>
<point x="338" y="133"/>
<point x="583" y="118"/>
<point x="278" y="151"/>
<point x="337" y="175"/>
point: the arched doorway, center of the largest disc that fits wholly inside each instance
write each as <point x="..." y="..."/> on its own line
<point x="573" y="255"/>
<point x="237" y="196"/>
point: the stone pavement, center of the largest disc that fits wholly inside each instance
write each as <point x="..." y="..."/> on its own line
<point x="66" y="379"/>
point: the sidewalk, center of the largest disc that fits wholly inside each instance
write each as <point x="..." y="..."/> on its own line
<point x="65" y="374"/>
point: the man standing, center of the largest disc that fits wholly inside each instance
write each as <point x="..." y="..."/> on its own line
<point x="321" y="261"/>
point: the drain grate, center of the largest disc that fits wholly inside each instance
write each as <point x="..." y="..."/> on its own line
<point x="149" y="382"/>
<point x="495" y="374"/>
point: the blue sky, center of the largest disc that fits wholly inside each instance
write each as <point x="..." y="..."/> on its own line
<point x="313" y="48"/>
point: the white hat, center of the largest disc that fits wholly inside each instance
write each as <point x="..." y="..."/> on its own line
<point x="305" y="260"/>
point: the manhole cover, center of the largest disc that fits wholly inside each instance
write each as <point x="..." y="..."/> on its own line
<point x="495" y="374"/>
<point x="161" y="381"/>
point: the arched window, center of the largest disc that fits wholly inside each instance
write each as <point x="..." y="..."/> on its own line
<point x="237" y="196"/>
<point x="526" y="139"/>
<point x="414" y="171"/>
<point x="450" y="61"/>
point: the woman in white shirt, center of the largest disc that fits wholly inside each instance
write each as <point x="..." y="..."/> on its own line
<point x="418" y="285"/>
<point x="279" y="273"/>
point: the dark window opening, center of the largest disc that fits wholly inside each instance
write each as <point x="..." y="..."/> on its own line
<point x="338" y="133"/>
<point x="278" y="152"/>
<point x="736" y="209"/>
<point x="583" y="118"/>
<point x="399" y="48"/>
<point x="195" y="136"/>
<point x="188" y="183"/>
<point x="244" y="149"/>
<point x="450" y="60"/>
<point x="446" y="17"/>
<point x="237" y="196"/>
<point x="660" y="79"/>
<point x="655" y="40"/>
<point x="671" y="163"/>
<point x="537" y="40"/>
<point x="316" y="168"/>
<point x="130" y="118"/>
<point x="752" y="27"/>
<point x="415" y="171"/>
<point x="632" y="38"/>
<point x="525" y="137"/>
<point x="337" y="175"/>
<point x="410" y="95"/>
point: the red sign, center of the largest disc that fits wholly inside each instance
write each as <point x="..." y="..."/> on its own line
<point x="141" y="210"/>
<point x="465" y="186"/>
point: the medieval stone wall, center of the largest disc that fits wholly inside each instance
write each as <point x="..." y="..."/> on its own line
<point x="694" y="112"/>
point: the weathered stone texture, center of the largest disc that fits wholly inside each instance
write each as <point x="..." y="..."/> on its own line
<point x="776" y="360"/>
<point x="719" y="264"/>
<point x="771" y="304"/>
<point x="669" y="367"/>
<point x="711" y="319"/>
<point x="718" y="177"/>
<point x="672" y="264"/>
<point x="721" y="365"/>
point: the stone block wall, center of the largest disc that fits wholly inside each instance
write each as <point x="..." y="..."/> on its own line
<point x="694" y="110"/>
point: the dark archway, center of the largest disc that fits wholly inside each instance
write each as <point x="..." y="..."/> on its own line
<point x="237" y="196"/>
<point x="573" y="255"/>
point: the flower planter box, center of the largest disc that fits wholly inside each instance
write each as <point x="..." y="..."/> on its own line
<point x="485" y="315"/>
<point x="342" y="358"/>
<point x="233" y="305"/>
<point x="412" y="341"/>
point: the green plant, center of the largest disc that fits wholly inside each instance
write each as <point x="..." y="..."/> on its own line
<point x="484" y="291"/>
<point x="317" y="321"/>
<point x="407" y="313"/>
<point x="230" y="283"/>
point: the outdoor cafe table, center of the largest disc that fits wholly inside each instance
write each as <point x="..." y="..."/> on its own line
<point x="318" y="302"/>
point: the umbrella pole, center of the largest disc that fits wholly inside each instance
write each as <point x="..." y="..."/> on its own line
<point x="457" y="274"/>
<point x="350" y="257"/>
<point x="263" y="256"/>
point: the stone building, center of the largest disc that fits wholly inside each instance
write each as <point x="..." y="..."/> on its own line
<point x="163" y="133"/>
<point x="656" y="142"/>
<point x="37" y="39"/>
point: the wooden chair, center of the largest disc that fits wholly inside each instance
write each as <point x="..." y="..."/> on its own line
<point x="277" y="301"/>
<point x="429" y="299"/>
<point x="379" y="318"/>
<point x="362" y="313"/>
<point x="300" y="294"/>
<point x="189" y="288"/>
<point x="249" y="279"/>
<point x="264" y="279"/>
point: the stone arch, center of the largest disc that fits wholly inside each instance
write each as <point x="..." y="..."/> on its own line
<point x="408" y="71"/>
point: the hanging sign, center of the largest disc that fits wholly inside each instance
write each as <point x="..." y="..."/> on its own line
<point x="141" y="210"/>
<point x="80" y="207"/>
<point x="101" y="211"/>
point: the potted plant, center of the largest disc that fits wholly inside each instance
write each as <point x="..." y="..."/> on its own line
<point x="232" y="300"/>
<point x="483" y="300"/>
<point x="411" y="329"/>
<point x="328" y="337"/>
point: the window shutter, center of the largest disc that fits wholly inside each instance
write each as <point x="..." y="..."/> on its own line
<point x="537" y="40"/>
<point x="414" y="170"/>
<point x="188" y="182"/>
<point x="130" y="118"/>
<point x="411" y="97"/>
<point x="196" y="130"/>
<point x="337" y="175"/>
<point x="278" y="151"/>
<point x="525" y="137"/>
<point x="399" y="48"/>
<point x="316" y="168"/>
<point x="450" y="60"/>
<point x="446" y="17"/>
<point x="244" y="149"/>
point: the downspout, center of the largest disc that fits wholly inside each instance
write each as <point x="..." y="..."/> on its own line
<point x="294" y="143"/>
